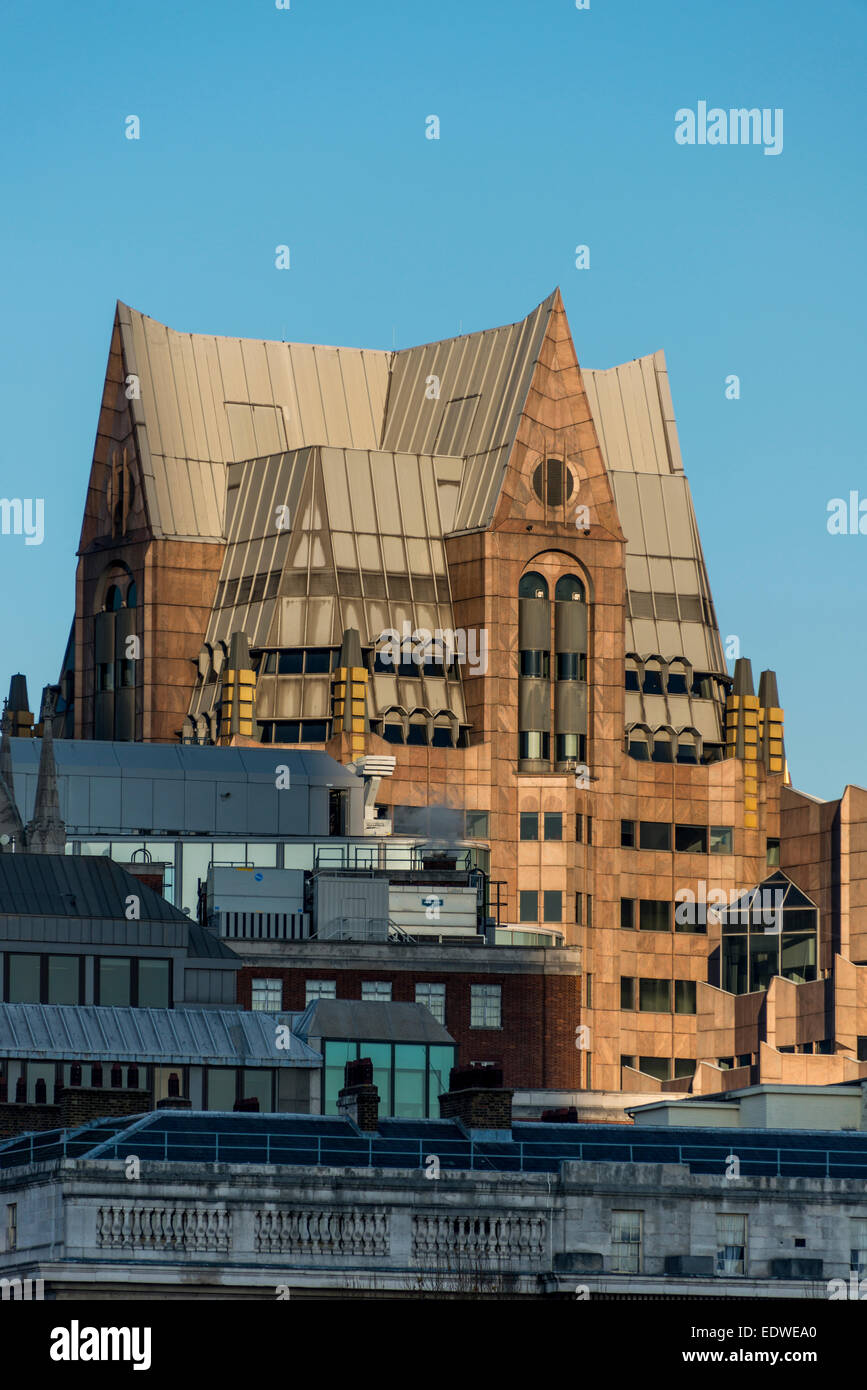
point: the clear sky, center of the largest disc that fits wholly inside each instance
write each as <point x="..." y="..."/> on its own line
<point x="306" y="127"/>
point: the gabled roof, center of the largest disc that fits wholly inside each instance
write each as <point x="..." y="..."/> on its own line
<point x="93" y="1033"/>
<point x="372" y="1021"/>
<point x="65" y="885"/>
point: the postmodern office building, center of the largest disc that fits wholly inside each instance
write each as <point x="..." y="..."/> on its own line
<point x="266" y="522"/>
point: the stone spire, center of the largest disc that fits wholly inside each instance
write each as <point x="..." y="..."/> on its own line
<point x="10" y="821"/>
<point x="46" y="832"/>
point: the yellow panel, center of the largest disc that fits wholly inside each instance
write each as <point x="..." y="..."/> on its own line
<point x="776" y="764"/>
<point x="774" y="713"/>
<point x="751" y="786"/>
<point x="750" y="702"/>
<point x="751" y="821"/>
<point x="358" y="726"/>
<point x="359" y="673"/>
<point x="340" y="673"/>
<point x="358" y="707"/>
<point x="750" y="803"/>
<point x="338" y="708"/>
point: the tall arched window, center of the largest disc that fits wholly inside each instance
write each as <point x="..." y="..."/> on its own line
<point x="113" y="599"/>
<point x="569" y="587"/>
<point x="532" y="585"/>
<point x="131" y="595"/>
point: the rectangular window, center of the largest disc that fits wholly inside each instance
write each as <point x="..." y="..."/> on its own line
<point x="773" y="854"/>
<point x="12" y="1226"/>
<point x="690" y="839"/>
<point x="627" y="834"/>
<point x="731" y="1243"/>
<point x="579" y="827"/>
<point x="23" y="979"/>
<point x="684" y="1066"/>
<point x="63" y="978"/>
<point x="114" y="981"/>
<point x="626" y="1242"/>
<point x="720" y="839"/>
<point x="477" y="827"/>
<point x="154" y="984"/>
<point x="529" y="825"/>
<point x="657" y="1067"/>
<point x="267" y="996"/>
<point x="654" y="996"/>
<point x="552" y="905"/>
<point x="578" y="907"/>
<point x="376" y="991"/>
<point x="684" y="996"/>
<point x="222" y="1088"/>
<point x="654" y="915"/>
<point x="434" y="998"/>
<point x="528" y="901"/>
<point x="655" y="834"/>
<point x="589" y="907"/>
<point x="589" y="830"/>
<point x="627" y="914"/>
<point x="486" y="1006"/>
<point x="588" y="991"/>
<point x="553" y="825"/>
<point x="627" y="992"/>
<point x="858" y="1246"/>
<point x="319" y="989"/>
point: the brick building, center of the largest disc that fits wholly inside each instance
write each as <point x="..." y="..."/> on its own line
<point x="482" y="559"/>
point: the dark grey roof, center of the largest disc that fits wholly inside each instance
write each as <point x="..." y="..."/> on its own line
<point x="375" y="1022"/>
<point x="92" y="757"/>
<point x="66" y="885"/>
<point x="92" y="1033"/>
<point x="204" y="943"/>
<point x="200" y="1138"/>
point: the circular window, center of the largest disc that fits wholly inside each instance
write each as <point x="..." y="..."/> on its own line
<point x="553" y="483"/>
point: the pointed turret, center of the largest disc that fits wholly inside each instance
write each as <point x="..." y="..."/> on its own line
<point x="771" y="748"/>
<point x="349" y="693"/>
<point x="742" y="735"/>
<point x="11" y="828"/>
<point x="46" y="832"/>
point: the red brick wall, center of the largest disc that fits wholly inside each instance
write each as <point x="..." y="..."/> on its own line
<point x="535" y="1046"/>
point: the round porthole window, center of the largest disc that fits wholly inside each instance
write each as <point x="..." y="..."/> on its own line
<point x="553" y="483"/>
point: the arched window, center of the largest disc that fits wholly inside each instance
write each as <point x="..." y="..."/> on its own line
<point x="131" y="595"/>
<point x="532" y="585"/>
<point x="633" y="674"/>
<point x="113" y="600"/>
<point x="569" y="587"/>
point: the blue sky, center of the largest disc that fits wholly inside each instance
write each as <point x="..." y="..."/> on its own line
<point x="306" y="127"/>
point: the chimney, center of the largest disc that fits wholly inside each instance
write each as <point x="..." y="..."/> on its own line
<point x="477" y="1099"/>
<point x="359" y="1099"/>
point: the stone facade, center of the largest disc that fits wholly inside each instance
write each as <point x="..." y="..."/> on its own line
<point x="270" y="1233"/>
